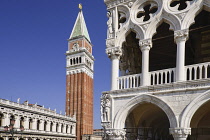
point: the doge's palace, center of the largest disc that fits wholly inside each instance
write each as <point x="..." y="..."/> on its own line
<point x="160" y="58"/>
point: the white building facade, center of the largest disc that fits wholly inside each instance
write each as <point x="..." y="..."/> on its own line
<point x="160" y="56"/>
<point x="38" y="122"/>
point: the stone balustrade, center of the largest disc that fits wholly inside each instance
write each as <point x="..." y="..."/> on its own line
<point x="192" y="72"/>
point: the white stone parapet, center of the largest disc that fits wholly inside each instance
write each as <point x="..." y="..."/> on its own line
<point x="166" y="76"/>
<point x="35" y="109"/>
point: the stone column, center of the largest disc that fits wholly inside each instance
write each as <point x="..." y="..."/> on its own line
<point x="67" y="62"/>
<point x="64" y="128"/>
<point x="180" y="133"/>
<point x="54" y="127"/>
<point x="59" y="127"/>
<point x="34" y="124"/>
<point x="145" y="46"/>
<point x="48" y="126"/>
<point x="41" y="125"/>
<point x="17" y="122"/>
<point x="6" y="138"/>
<point x="73" y="129"/>
<point x="114" y="54"/>
<point x="115" y="134"/>
<point x="26" y="123"/>
<point x="68" y="130"/>
<point x="5" y="120"/>
<point x="180" y="38"/>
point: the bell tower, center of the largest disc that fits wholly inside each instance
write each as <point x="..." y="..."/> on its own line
<point x="79" y="77"/>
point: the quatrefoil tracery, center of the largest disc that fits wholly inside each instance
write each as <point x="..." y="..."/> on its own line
<point x="180" y="4"/>
<point x="147" y="11"/>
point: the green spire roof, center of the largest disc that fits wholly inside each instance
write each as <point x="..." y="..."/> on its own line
<point x="80" y="28"/>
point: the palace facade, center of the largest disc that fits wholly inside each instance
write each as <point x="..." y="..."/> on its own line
<point x="160" y="56"/>
<point x="33" y="122"/>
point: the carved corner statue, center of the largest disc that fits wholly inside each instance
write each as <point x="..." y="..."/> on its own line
<point x="105" y="108"/>
<point x="110" y="26"/>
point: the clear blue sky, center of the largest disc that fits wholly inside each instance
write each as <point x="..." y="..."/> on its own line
<point x="33" y="40"/>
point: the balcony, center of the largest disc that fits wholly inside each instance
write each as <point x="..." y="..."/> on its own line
<point x="166" y="76"/>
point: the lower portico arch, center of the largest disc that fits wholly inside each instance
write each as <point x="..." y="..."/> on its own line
<point x="190" y="110"/>
<point x="122" y="114"/>
<point x="196" y="117"/>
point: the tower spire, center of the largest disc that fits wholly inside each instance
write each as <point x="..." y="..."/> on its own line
<point x="80" y="28"/>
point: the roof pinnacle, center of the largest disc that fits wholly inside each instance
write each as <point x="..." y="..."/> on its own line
<point x="80" y="6"/>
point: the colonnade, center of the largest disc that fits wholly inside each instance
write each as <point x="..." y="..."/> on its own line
<point x="180" y="38"/>
<point x="30" y="123"/>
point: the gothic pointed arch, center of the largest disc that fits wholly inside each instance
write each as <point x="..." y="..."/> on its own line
<point x="163" y="52"/>
<point x="197" y="44"/>
<point x="122" y="114"/>
<point x="121" y="36"/>
<point x="130" y="61"/>
<point x="189" y="17"/>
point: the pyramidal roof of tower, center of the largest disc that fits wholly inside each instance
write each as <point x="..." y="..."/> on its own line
<point x="80" y="28"/>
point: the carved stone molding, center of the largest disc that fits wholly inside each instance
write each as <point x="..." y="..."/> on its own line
<point x="116" y="133"/>
<point x="80" y="70"/>
<point x="145" y="44"/>
<point x="110" y="43"/>
<point x="180" y="132"/>
<point x="181" y="35"/>
<point x="114" y="52"/>
<point x="111" y="3"/>
<point x="106" y="125"/>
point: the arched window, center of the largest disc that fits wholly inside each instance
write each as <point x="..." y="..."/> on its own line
<point x="74" y="61"/>
<point x="1" y="119"/>
<point x="62" y="128"/>
<point x="71" y="129"/>
<point x="77" y="61"/>
<point x="45" y="126"/>
<point x="12" y="120"/>
<point x="71" y="61"/>
<point x="38" y="124"/>
<point x="30" y="123"/>
<point x="67" y="127"/>
<point x="56" y="127"/>
<point x="80" y="60"/>
<point x="51" y="126"/>
<point x="22" y="122"/>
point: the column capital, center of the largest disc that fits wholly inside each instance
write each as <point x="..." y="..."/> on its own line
<point x="114" y="52"/>
<point x="115" y="134"/>
<point x="145" y="44"/>
<point x="180" y="132"/>
<point x="181" y="35"/>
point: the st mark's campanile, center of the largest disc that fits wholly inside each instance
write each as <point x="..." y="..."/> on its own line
<point x="79" y="77"/>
